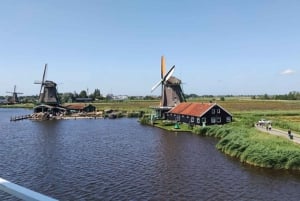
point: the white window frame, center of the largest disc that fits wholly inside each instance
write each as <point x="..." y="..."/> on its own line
<point x="228" y="119"/>
<point x="219" y="111"/>
<point x="198" y="120"/>
<point x="203" y="119"/>
<point x="213" y="111"/>
<point x="219" y="120"/>
<point x="213" y="120"/>
<point x="192" y="119"/>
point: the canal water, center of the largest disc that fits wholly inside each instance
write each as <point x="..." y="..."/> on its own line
<point x="103" y="159"/>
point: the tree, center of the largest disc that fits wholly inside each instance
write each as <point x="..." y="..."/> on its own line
<point x="82" y="94"/>
<point x="97" y="94"/>
<point x="266" y="97"/>
<point x="66" y="97"/>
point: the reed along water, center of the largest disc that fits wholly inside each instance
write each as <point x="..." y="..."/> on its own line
<point x="103" y="159"/>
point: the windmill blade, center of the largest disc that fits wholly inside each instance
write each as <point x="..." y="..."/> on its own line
<point x="43" y="80"/>
<point x="163" y="67"/>
<point x="165" y="78"/>
<point x="41" y="88"/>
<point x="44" y="75"/>
<point x="15" y="89"/>
<point x="169" y="74"/>
<point x="156" y="85"/>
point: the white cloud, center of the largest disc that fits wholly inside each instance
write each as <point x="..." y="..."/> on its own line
<point x="288" y="72"/>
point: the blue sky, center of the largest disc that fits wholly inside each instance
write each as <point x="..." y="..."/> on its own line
<point x="219" y="47"/>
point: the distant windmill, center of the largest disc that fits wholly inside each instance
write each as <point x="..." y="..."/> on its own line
<point x="48" y="91"/>
<point x="171" y="91"/>
<point x="14" y="98"/>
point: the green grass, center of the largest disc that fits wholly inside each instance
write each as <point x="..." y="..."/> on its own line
<point x="241" y="140"/>
<point x="26" y="105"/>
<point x="170" y="125"/>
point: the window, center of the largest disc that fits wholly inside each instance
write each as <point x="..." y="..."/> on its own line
<point x="198" y="120"/>
<point x="213" y="111"/>
<point x="192" y="119"/>
<point x="204" y="119"/>
<point x="219" y="120"/>
<point x="228" y="119"/>
<point x="213" y="120"/>
<point x="218" y="111"/>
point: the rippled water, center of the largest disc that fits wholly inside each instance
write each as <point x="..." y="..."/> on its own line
<point x="102" y="159"/>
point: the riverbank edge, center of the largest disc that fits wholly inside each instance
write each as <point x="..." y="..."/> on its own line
<point x="248" y="145"/>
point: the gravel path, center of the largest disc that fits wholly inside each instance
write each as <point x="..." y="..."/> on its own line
<point x="280" y="133"/>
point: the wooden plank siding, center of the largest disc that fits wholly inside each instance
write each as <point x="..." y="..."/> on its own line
<point x="199" y="113"/>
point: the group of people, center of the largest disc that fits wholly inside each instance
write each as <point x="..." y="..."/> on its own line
<point x="269" y="126"/>
<point x="265" y="123"/>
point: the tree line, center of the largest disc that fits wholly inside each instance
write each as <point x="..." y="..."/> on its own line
<point x="293" y="95"/>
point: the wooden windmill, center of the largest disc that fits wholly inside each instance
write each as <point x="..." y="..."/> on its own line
<point x="14" y="99"/>
<point x="48" y="91"/>
<point x="171" y="91"/>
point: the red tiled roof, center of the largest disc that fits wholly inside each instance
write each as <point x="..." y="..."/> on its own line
<point x="76" y="106"/>
<point x="192" y="109"/>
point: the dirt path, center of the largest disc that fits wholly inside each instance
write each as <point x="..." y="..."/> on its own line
<point x="280" y="133"/>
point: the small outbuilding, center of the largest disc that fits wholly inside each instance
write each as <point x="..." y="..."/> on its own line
<point x="54" y="110"/>
<point x="80" y="108"/>
<point x="199" y="114"/>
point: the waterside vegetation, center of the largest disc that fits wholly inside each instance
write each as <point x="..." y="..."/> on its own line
<point x="241" y="140"/>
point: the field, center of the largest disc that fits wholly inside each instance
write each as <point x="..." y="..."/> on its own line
<point x="283" y="114"/>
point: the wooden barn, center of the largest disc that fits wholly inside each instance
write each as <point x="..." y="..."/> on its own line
<point x="199" y="114"/>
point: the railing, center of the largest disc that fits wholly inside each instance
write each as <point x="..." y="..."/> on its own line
<point x="17" y="118"/>
<point x="21" y="192"/>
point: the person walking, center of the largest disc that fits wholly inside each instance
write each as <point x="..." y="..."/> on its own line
<point x="290" y="134"/>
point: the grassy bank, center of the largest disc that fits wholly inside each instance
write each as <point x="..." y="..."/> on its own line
<point x="241" y="140"/>
<point x="26" y="106"/>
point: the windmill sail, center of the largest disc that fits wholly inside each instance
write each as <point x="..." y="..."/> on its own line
<point x="163" y="66"/>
